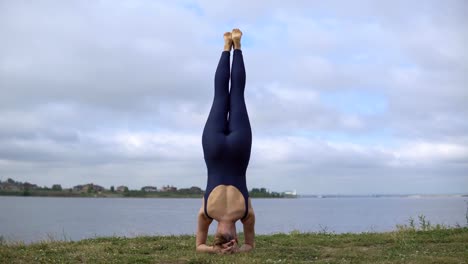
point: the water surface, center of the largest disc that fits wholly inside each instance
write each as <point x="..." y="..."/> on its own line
<point x="31" y="219"/>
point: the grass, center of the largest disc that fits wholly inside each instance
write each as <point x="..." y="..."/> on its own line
<point x="415" y="242"/>
<point x="405" y="245"/>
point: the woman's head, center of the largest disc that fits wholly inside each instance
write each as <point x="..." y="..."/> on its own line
<point x="225" y="232"/>
<point x="222" y="238"/>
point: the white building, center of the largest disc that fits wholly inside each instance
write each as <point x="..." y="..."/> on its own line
<point x="293" y="193"/>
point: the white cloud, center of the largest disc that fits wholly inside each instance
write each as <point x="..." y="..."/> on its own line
<point x="431" y="153"/>
<point x="111" y="91"/>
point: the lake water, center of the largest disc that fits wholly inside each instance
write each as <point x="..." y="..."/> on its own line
<point x="32" y="219"/>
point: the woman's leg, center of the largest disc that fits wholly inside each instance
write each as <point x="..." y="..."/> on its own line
<point x="239" y="125"/>
<point x="216" y="123"/>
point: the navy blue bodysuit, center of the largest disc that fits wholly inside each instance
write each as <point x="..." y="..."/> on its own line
<point x="227" y="136"/>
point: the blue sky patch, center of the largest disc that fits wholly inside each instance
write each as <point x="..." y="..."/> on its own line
<point x="356" y="102"/>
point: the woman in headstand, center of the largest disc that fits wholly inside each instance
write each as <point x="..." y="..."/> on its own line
<point x="226" y="146"/>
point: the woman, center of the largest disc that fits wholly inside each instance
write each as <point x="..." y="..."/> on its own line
<point x="226" y="147"/>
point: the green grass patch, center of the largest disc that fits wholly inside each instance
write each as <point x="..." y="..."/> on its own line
<point x="437" y="245"/>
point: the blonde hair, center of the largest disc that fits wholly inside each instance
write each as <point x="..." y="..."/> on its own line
<point x="222" y="238"/>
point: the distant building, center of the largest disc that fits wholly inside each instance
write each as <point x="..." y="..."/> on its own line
<point x="77" y="188"/>
<point x="29" y="186"/>
<point x="149" y="189"/>
<point x="11" y="185"/>
<point x="169" y="188"/>
<point x="291" y="193"/>
<point x="121" y="188"/>
<point x="88" y="187"/>
<point x="98" y="188"/>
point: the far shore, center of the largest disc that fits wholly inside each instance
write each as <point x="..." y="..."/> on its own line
<point x="129" y="194"/>
<point x="140" y="194"/>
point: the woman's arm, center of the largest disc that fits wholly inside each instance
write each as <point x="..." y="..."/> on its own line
<point x="202" y="232"/>
<point x="249" y="231"/>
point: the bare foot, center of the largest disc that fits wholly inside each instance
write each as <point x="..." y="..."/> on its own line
<point x="227" y="41"/>
<point x="236" y="38"/>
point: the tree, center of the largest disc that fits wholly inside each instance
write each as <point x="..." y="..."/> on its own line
<point x="126" y="189"/>
<point x="56" y="187"/>
<point x="26" y="191"/>
<point x="112" y="188"/>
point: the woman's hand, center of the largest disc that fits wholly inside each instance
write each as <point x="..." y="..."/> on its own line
<point x="232" y="247"/>
<point x="228" y="248"/>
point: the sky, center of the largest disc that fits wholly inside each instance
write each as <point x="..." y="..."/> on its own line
<point x="344" y="97"/>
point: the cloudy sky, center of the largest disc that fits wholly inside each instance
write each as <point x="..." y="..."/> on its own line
<point x="344" y="97"/>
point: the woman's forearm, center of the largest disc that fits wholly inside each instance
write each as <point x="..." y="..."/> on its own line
<point x="205" y="248"/>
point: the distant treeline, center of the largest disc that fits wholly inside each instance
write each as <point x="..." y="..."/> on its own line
<point x="15" y="188"/>
<point x="263" y="193"/>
